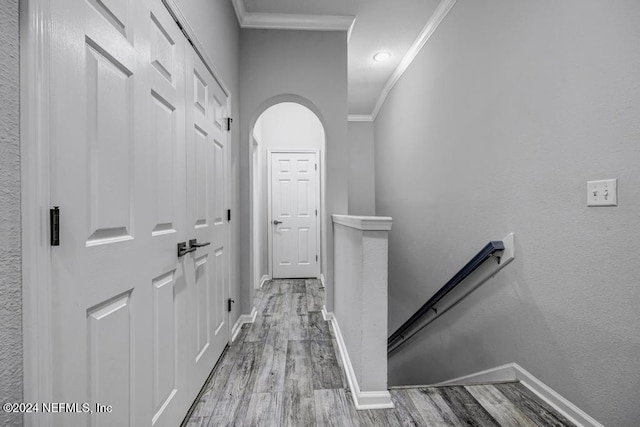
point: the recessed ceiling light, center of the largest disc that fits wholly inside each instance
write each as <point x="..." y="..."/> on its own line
<point x="381" y="56"/>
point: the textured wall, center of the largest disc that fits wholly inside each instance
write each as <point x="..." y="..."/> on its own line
<point x="495" y="128"/>
<point x="10" y="261"/>
<point x="361" y="169"/>
<point x="310" y="66"/>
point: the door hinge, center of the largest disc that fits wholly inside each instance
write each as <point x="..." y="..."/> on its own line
<point x="316" y="212"/>
<point x="54" y="225"/>
<point x="316" y="166"/>
<point x="229" y="302"/>
<point x="228" y="214"/>
<point x="229" y="120"/>
<point x="316" y="258"/>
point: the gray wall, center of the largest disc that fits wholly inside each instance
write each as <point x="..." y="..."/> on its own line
<point x="217" y="28"/>
<point x="10" y="261"/>
<point x="495" y="128"/>
<point x="361" y="169"/>
<point x="289" y="64"/>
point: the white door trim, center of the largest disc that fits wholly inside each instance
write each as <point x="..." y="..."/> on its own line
<point x="35" y="39"/>
<point x="271" y="151"/>
<point x="253" y="230"/>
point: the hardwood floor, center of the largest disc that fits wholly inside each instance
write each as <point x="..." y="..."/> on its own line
<point x="285" y="370"/>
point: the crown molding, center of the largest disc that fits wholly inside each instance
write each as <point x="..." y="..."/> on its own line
<point x="284" y="21"/>
<point x="238" y="6"/>
<point x="287" y="21"/>
<point x="432" y="25"/>
<point x="360" y="118"/>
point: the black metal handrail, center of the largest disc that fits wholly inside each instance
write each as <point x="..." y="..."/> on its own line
<point x="487" y="252"/>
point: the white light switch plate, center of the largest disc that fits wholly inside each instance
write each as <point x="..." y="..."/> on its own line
<point x="602" y="193"/>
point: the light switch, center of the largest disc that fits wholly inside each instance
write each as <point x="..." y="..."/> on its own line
<point x="602" y="193"/>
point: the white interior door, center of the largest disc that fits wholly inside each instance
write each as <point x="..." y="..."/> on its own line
<point x="102" y="273"/>
<point x="294" y="196"/>
<point x="165" y="157"/>
<point x="207" y="175"/>
<point x="134" y="326"/>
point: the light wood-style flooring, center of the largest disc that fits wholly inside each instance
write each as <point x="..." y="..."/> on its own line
<point x="285" y="370"/>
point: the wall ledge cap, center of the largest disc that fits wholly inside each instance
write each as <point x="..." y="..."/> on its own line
<point x="364" y="223"/>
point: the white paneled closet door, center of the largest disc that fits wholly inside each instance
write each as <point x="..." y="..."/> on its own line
<point x="123" y="329"/>
<point x="207" y="178"/>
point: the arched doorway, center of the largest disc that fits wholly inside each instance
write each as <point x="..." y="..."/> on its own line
<point x="285" y="124"/>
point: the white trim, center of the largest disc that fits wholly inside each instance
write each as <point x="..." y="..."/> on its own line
<point x="323" y="283"/>
<point x="350" y="30"/>
<point x="238" y="6"/>
<point x="360" y="118"/>
<point x="361" y="399"/>
<point x="499" y="374"/>
<point x="365" y="223"/>
<point x="265" y="278"/>
<point x="328" y="316"/>
<point x="555" y="399"/>
<point x="35" y="38"/>
<point x="319" y="200"/>
<point x="254" y="252"/>
<point x="288" y="21"/>
<point x="515" y="372"/>
<point x="438" y="16"/>
<point x="243" y="319"/>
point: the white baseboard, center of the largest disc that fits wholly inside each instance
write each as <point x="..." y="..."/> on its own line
<point x="515" y="372"/>
<point x="264" y="279"/>
<point x="553" y="398"/>
<point x="500" y="374"/>
<point x="244" y="318"/>
<point x="322" y="283"/>
<point x="327" y="315"/>
<point x="361" y="399"/>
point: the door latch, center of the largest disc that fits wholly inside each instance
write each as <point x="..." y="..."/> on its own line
<point x="54" y="225"/>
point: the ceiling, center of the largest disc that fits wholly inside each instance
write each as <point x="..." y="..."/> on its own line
<point x="379" y="25"/>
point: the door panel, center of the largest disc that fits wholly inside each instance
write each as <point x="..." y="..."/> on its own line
<point x="110" y="330"/>
<point x="165" y="343"/>
<point x="294" y="205"/>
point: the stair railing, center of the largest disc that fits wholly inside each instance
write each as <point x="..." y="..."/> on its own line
<point x="493" y="250"/>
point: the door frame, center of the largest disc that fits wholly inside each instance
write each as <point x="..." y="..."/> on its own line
<point x="35" y="40"/>
<point x="317" y="152"/>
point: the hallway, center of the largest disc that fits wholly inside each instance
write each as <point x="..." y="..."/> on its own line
<point x="285" y="369"/>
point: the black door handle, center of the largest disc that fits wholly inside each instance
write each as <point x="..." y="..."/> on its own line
<point x="182" y="249"/>
<point x="276" y="222"/>
<point x="193" y="243"/>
